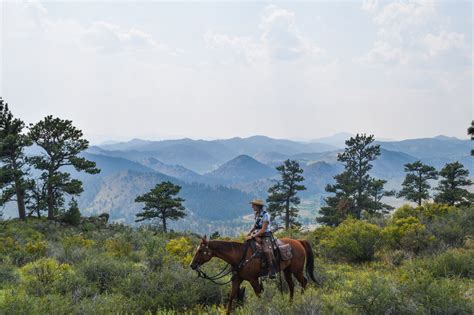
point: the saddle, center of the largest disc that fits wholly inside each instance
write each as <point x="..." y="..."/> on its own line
<point x="281" y="250"/>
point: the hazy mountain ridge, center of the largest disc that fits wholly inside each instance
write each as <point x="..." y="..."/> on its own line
<point x="131" y="168"/>
<point x="242" y="169"/>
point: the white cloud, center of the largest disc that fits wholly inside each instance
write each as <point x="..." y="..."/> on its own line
<point x="443" y="42"/>
<point x="101" y="36"/>
<point x="411" y="34"/>
<point x="106" y="37"/>
<point x="279" y="39"/>
<point x="370" y="5"/>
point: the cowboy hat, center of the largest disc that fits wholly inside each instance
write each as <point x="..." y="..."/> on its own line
<point x="258" y="202"/>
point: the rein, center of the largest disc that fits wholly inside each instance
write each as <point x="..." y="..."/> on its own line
<point x="228" y="269"/>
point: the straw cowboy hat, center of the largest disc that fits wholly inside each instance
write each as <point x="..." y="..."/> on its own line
<point x="258" y="202"/>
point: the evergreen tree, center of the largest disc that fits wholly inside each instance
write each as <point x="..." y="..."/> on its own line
<point x="62" y="143"/>
<point x="73" y="214"/>
<point x="377" y="192"/>
<point x="36" y="198"/>
<point x="282" y="197"/>
<point x="455" y="176"/>
<point x="341" y="205"/>
<point x="415" y="186"/>
<point x="13" y="182"/>
<point x="160" y="204"/>
<point x="354" y="188"/>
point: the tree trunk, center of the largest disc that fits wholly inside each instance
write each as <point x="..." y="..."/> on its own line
<point x="20" y="199"/>
<point x="287" y="214"/>
<point x="163" y="220"/>
<point x="50" y="202"/>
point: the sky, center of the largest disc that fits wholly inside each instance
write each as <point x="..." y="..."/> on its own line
<point x="303" y="70"/>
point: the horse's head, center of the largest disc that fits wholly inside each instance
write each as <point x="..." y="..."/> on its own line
<point x="203" y="254"/>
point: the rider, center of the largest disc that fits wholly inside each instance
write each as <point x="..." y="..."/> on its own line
<point x="261" y="229"/>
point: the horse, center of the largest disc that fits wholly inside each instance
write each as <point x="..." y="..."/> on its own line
<point x="246" y="267"/>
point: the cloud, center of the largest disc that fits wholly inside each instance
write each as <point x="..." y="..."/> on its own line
<point x="33" y="18"/>
<point x="370" y="5"/>
<point x="279" y="39"/>
<point x="443" y="42"/>
<point x="411" y="34"/>
<point x="109" y="38"/>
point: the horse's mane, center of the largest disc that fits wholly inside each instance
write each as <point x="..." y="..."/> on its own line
<point x="225" y="245"/>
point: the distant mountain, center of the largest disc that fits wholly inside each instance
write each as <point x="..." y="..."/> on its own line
<point x="109" y="164"/>
<point x="438" y="147"/>
<point x="117" y="193"/>
<point x="241" y="169"/>
<point x="203" y="156"/>
<point x="259" y="144"/>
<point x="176" y="171"/>
<point x="337" y="140"/>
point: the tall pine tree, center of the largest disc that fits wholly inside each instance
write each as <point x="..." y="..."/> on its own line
<point x="450" y="187"/>
<point x="62" y="143"/>
<point x="161" y="204"/>
<point x="13" y="162"/>
<point x="354" y="188"/>
<point x="282" y="197"/>
<point x="416" y="187"/>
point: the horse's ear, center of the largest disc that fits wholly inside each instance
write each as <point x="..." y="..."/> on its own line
<point x="204" y="239"/>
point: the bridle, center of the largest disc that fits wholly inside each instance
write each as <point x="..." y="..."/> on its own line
<point x="227" y="270"/>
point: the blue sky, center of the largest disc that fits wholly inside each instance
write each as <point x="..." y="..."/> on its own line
<point x="217" y="70"/>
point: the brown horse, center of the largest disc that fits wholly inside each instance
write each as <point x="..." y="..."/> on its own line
<point x="233" y="254"/>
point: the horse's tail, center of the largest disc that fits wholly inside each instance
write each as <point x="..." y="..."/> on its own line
<point x="309" y="260"/>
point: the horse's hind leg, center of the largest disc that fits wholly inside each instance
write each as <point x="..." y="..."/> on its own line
<point x="290" y="282"/>
<point x="301" y="279"/>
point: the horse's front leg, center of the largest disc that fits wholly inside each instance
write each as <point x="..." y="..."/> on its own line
<point x="234" y="291"/>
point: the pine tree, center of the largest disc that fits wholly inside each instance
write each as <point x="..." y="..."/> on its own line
<point x="73" y="214"/>
<point x="415" y="186"/>
<point x="377" y="192"/>
<point x="354" y="188"/>
<point x="282" y="197"/>
<point x="13" y="169"/>
<point x="160" y="204"/>
<point x="36" y="198"/>
<point x="62" y="143"/>
<point x="341" y="205"/>
<point x="455" y="176"/>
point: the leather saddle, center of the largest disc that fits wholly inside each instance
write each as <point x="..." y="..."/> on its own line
<point x="281" y="250"/>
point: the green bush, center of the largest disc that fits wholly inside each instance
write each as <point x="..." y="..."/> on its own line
<point x="170" y="287"/>
<point x="452" y="263"/>
<point x="406" y="233"/>
<point x="8" y="275"/>
<point x="41" y="276"/>
<point x="352" y="241"/>
<point x="104" y="272"/>
<point x="372" y="293"/>
<point x="72" y="215"/>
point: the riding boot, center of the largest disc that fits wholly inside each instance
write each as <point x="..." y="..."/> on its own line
<point x="271" y="265"/>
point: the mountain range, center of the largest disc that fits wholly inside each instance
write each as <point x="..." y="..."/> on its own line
<point x="219" y="177"/>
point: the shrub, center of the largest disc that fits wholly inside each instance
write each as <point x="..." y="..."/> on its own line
<point x="72" y="215"/>
<point x="118" y="247"/>
<point x="372" y="293"/>
<point x="353" y="241"/>
<point x="104" y="272"/>
<point x="406" y="233"/>
<point x="181" y="249"/>
<point x="40" y="276"/>
<point x="8" y="275"/>
<point x="452" y="263"/>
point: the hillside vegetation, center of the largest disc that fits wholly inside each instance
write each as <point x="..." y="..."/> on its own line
<point x="419" y="260"/>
